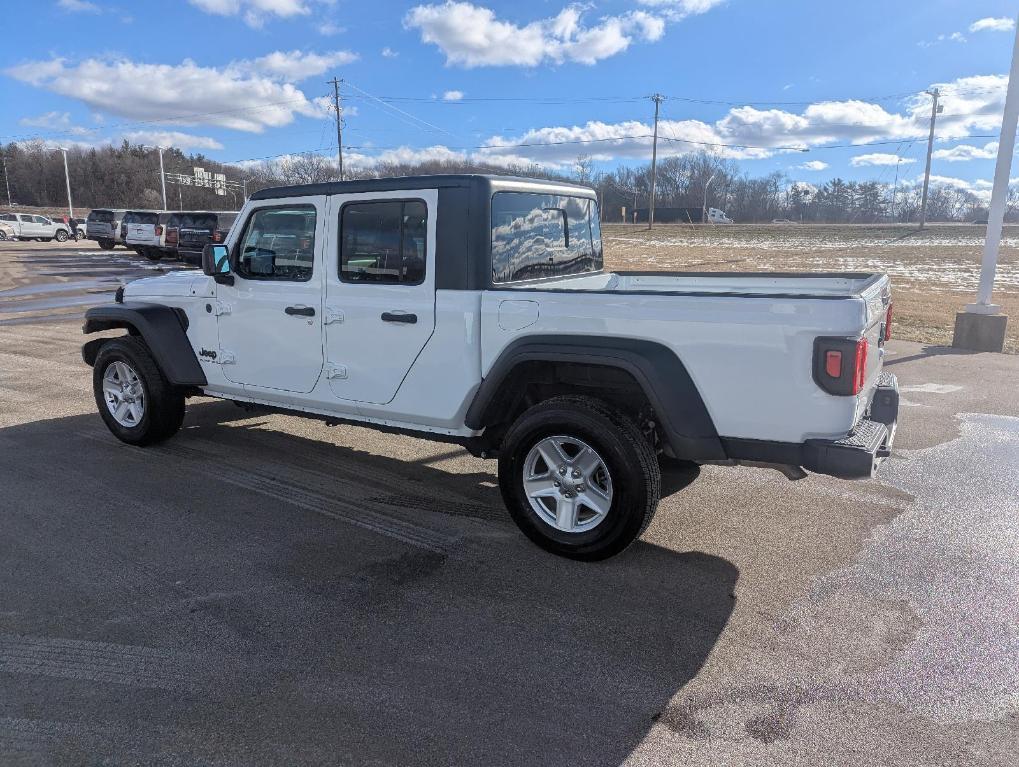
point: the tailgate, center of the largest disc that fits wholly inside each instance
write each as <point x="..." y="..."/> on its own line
<point x="194" y="238"/>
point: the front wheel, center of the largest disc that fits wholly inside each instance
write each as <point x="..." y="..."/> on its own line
<point x="579" y="478"/>
<point x="3" y="236"/>
<point x="61" y="235"/>
<point x="134" y="398"/>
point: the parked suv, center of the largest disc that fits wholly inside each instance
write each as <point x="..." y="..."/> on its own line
<point x="32" y="227"/>
<point x="142" y="229"/>
<point x="199" y="228"/>
<point x="476" y="310"/>
<point x="103" y="226"/>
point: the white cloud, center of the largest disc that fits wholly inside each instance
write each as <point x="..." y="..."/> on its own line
<point x="180" y="94"/>
<point x="389" y="53"/>
<point x="294" y="66"/>
<point x="79" y="6"/>
<point x="328" y="29"/>
<point x="992" y="24"/>
<point x="472" y="36"/>
<point x="177" y="139"/>
<point x="253" y="11"/>
<point x="813" y="165"/>
<point x="878" y="158"/>
<point x="965" y="152"/>
<point x="452" y="95"/>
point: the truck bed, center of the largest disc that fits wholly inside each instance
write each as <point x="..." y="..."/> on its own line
<point x="760" y="284"/>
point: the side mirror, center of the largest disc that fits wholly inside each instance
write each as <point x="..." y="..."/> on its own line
<point x="216" y="263"/>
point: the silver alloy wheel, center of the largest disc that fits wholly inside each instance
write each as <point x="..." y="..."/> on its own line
<point x="567" y="484"/>
<point x="124" y="394"/>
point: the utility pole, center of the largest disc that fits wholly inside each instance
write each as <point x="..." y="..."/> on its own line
<point x="162" y="176"/>
<point x="339" y="123"/>
<point x="935" y="111"/>
<point x="67" y="178"/>
<point x="657" y="98"/>
<point x="7" y="181"/>
<point x="244" y="187"/>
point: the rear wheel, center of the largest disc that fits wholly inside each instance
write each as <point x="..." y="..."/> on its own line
<point x="134" y="398"/>
<point x="61" y="235"/>
<point x="152" y="254"/>
<point x="579" y="478"/>
<point x="106" y="244"/>
<point x="3" y="235"/>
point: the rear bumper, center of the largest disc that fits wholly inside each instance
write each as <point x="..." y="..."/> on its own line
<point x="855" y="456"/>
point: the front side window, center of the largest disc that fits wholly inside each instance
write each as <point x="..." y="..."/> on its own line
<point x="543" y="235"/>
<point x="278" y="244"/>
<point x="383" y="242"/>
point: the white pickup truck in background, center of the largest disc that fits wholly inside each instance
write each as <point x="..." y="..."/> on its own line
<point x="476" y="310"/>
<point x="28" y="226"/>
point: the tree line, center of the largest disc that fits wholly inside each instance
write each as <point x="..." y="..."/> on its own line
<point x="127" y="176"/>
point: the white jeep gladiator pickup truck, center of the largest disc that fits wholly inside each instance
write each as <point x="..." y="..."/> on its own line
<point x="476" y="310"/>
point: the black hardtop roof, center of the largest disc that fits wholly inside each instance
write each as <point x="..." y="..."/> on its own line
<point x="492" y="181"/>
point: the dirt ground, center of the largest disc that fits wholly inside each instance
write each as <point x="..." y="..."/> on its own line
<point x="934" y="272"/>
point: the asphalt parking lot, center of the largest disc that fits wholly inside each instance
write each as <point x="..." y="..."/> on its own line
<point x="264" y="589"/>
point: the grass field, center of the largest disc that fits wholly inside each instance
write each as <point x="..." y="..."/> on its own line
<point x="934" y="272"/>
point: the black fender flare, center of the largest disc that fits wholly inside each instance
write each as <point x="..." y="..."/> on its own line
<point x="164" y="330"/>
<point x="683" y="417"/>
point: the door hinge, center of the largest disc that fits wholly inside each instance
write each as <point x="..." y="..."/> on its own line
<point x="335" y="371"/>
<point x="333" y="315"/>
<point x="219" y="308"/>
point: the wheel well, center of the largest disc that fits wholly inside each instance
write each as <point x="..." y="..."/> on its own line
<point x="535" y="381"/>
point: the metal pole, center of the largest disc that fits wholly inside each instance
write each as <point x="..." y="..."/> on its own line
<point x="244" y="186"/>
<point x="339" y="123"/>
<point x="657" y="98"/>
<point x="7" y="181"/>
<point x="67" y="178"/>
<point x="704" y="210"/>
<point x="162" y="176"/>
<point x="930" y="147"/>
<point x="999" y="191"/>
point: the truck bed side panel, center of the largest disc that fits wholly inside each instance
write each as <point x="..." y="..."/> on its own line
<point x="749" y="357"/>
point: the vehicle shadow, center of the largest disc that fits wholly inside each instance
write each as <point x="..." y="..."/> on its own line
<point x="290" y="636"/>
<point x="931" y="351"/>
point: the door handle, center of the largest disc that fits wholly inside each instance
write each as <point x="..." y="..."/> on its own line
<point x="410" y="319"/>
<point x="300" y="311"/>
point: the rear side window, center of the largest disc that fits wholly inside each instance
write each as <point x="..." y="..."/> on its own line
<point x="543" y="235"/>
<point x="103" y="216"/>
<point x="383" y="242"/>
<point x="278" y="244"/>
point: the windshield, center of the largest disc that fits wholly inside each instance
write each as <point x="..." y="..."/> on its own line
<point x="543" y="235"/>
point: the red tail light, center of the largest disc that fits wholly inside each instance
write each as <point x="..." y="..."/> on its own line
<point x="159" y="230"/>
<point x="860" y="366"/>
<point x="171" y="235"/>
<point x="888" y="323"/>
<point x="833" y="364"/>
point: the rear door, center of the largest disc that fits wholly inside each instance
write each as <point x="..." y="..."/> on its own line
<point x="270" y="321"/>
<point x="29" y="228"/>
<point x="380" y="294"/>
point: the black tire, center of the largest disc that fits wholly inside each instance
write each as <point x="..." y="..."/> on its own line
<point x="152" y="254"/>
<point x="106" y="244"/>
<point x="3" y="236"/>
<point x="61" y="236"/>
<point x="163" y="411"/>
<point x="627" y="454"/>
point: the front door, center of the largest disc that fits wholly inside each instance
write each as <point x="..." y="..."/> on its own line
<point x="380" y="294"/>
<point x="270" y="321"/>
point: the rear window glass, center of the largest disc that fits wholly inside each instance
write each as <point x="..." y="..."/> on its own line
<point x="103" y="216"/>
<point x="140" y="218"/>
<point x="543" y="235"/>
<point x="198" y="221"/>
<point x="226" y="220"/>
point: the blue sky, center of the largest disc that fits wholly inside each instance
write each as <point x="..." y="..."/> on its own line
<point x="754" y="80"/>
